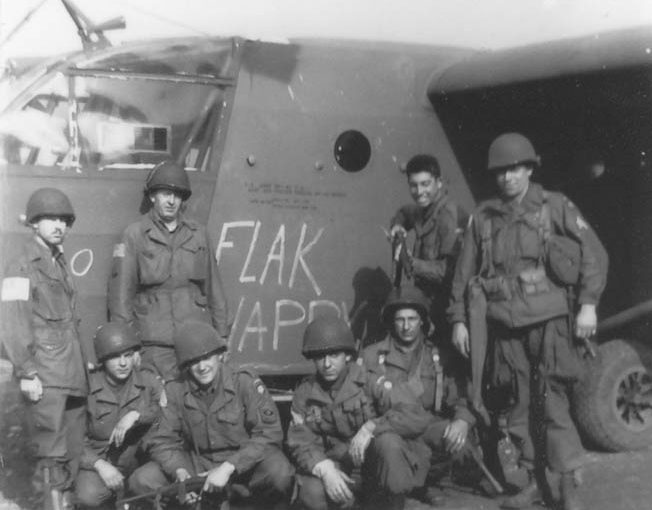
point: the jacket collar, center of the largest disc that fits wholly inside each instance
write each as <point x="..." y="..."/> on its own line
<point x="353" y="383"/>
<point x="428" y="216"/>
<point x="397" y="358"/>
<point x="46" y="261"/>
<point x="100" y="387"/>
<point x="157" y="231"/>
<point x="532" y="202"/>
<point x="223" y="387"/>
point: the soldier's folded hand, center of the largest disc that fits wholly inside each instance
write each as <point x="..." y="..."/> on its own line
<point x="32" y="388"/>
<point x="109" y="474"/>
<point x="360" y="442"/>
<point x="218" y="478"/>
<point x="122" y="427"/>
<point x="586" y="322"/>
<point x="397" y="230"/>
<point x="461" y="338"/>
<point x="335" y="482"/>
<point x="455" y="435"/>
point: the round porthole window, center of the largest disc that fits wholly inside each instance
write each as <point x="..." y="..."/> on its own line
<point x="352" y="150"/>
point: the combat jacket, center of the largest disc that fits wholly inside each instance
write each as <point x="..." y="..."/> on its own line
<point x="323" y="425"/>
<point x="142" y="393"/>
<point x="437" y="240"/>
<point x="236" y="427"/>
<point x="161" y="279"/>
<point x="432" y="380"/>
<point x="517" y="245"/>
<point x="39" y="321"/>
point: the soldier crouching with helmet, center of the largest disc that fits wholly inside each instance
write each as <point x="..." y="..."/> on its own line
<point x="164" y="271"/>
<point x="342" y="420"/>
<point x="416" y="369"/>
<point x="219" y="421"/>
<point x="39" y="331"/>
<point x="123" y="403"/>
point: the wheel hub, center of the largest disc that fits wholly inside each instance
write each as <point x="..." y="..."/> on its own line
<point x="633" y="402"/>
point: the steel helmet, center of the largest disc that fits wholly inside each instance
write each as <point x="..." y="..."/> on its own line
<point x="196" y="339"/>
<point x="511" y="149"/>
<point x="114" y="338"/>
<point x="49" y="202"/>
<point x="171" y="176"/>
<point x="327" y="334"/>
<point x="407" y="296"/>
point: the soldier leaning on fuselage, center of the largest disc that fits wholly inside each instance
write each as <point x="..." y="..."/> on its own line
<point x="437" y="223"/>
<point x="123" y="403"/>
<point x="217" y="420"/>
<point x="413" y="368"/>
<point x="40" y="337"/>
<point x="164" y="272"/>
<point x="342" y="419"/>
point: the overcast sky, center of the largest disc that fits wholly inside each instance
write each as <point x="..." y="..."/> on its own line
<point x="476" y="23"/>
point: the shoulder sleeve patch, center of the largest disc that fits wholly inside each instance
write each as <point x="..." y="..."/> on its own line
<point x="260" y="386"/>
<point x="15" y="288"/>
<point x="581" y="224"/>
<point x="297" y="418"/>
<point x="119" y="251"/>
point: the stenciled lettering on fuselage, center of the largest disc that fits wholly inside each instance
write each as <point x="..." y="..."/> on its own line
<point x="284" y="265"/>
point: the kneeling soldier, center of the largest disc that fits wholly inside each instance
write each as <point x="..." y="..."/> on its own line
<point x="342" y="420"/>
<point x="122" y="405"/>
<point x="218" y="420"/>
<point x="416" y="369"/>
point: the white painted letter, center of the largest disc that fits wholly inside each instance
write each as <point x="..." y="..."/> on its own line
<point x="322" y="303"/>
<point x="228" y="244"/>
<point x="278" y="323"/>
<point x="250" y="278"/>
<point x="86" y="268"/>
<point x="298" y="258"/>
<point x="279" y="257"/>
<point x="236" y="321"/>
<point x="258" y="327"/>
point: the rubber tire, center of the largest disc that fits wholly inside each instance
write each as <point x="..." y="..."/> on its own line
<point x="594" y="397"/>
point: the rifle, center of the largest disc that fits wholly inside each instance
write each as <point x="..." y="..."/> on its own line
<point x="178" y="489"/>
<point x="401" y="260"/>
<point x="476" y="455"/>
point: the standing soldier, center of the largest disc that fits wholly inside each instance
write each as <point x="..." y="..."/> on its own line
<point x="164" y="272"/>
<point x="422" y="371"/>
<point x="218" y="420"/>
<point x="436" y="222"/>
<point x="41" y="339"/>
<point x="123" y="403"/>
<point x="341" y="419"/>
<point x="520" y="282"/>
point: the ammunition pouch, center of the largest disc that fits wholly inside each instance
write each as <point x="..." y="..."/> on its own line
<point x="564" y="259"/>
<point x="528" y="299"/>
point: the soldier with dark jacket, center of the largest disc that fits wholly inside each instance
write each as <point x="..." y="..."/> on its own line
<point x="416" y="369"/>
<point x="509" y="267"/>
<point x="218" y="420"/>
<point x="342" y="420"/>
<point x="164" y="272"/>
<point x="123" y="403"/>
<point x="437" y="223"/>
<point x="40" y="337"/>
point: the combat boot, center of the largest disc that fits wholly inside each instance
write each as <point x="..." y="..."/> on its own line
<point x="529" y="495"/>
<point x="570" y="499"/>
<point x="432" y="496"/>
